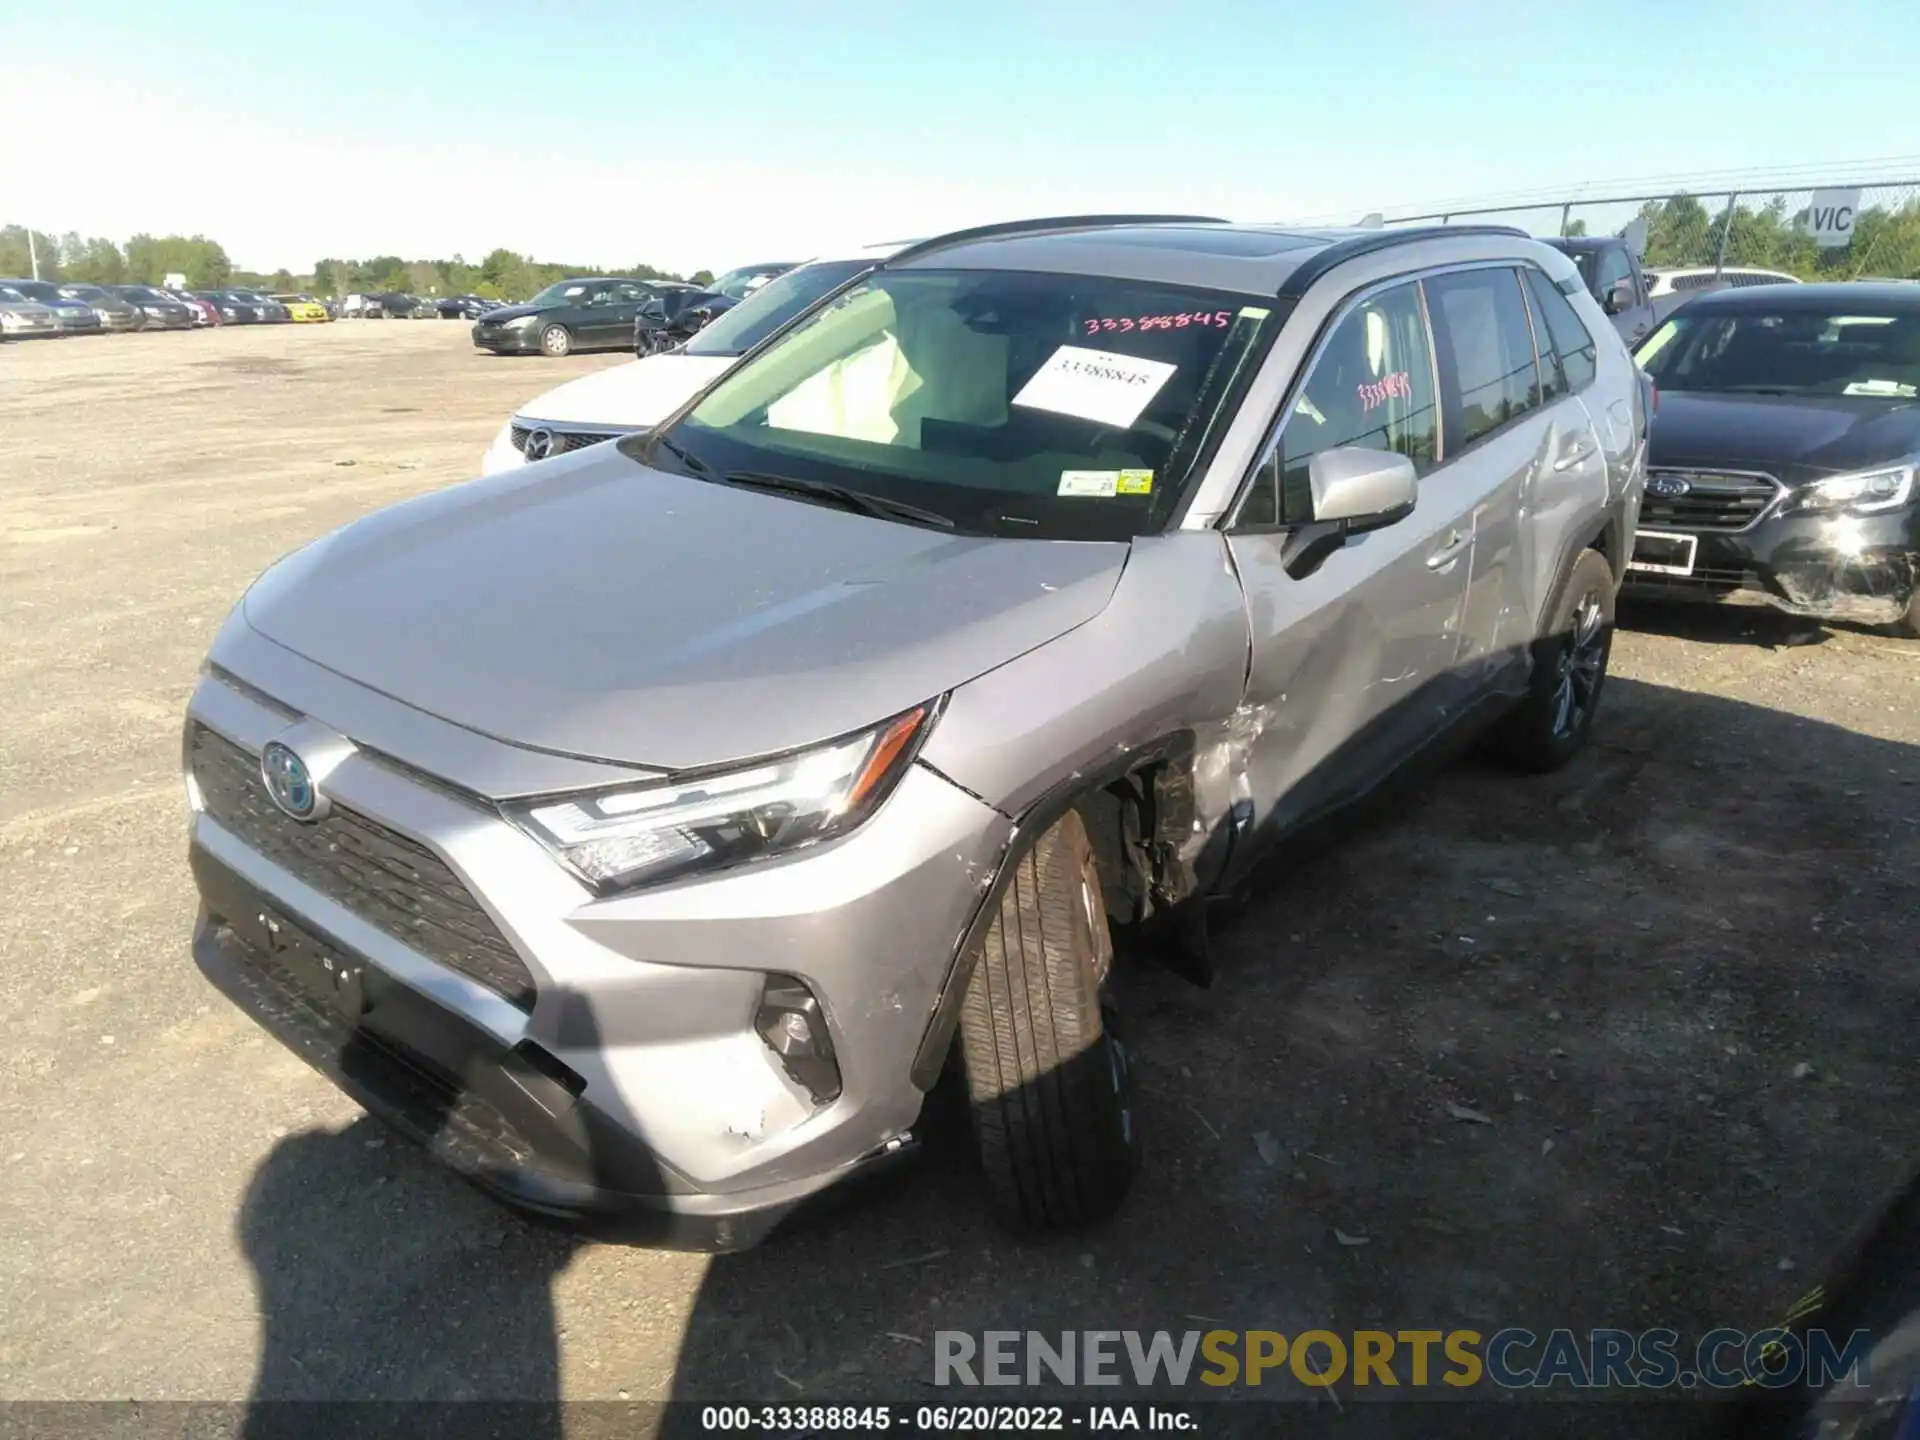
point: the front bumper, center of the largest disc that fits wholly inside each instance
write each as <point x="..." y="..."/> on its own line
<point x="31" y="330"/>
<point x="1829" y="568"/>
<point x="507" y="342"/>
<point x="673" y="1120"/>
<point x="79" y="325"/>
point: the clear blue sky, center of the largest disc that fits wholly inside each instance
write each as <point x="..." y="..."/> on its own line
<point x="717" y="133"/>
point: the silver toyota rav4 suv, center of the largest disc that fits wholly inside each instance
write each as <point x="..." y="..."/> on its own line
<point x="647" y="831"/>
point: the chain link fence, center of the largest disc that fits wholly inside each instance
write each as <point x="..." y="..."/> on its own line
<point x="1832" y="233"/>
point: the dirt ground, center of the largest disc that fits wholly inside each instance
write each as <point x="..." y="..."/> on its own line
<point x="1622" y="969"/>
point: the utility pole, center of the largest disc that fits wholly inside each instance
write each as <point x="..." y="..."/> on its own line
<point x="33" y="253"/>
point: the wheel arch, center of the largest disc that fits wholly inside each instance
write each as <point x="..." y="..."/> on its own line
<point x="1136" y="808"/>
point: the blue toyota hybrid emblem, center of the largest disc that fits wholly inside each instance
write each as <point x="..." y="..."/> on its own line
<point x="288" y="781"/>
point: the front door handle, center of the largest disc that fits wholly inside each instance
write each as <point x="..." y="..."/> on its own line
<point x="1447" y="551"/>
<point x="1571" y="457"/>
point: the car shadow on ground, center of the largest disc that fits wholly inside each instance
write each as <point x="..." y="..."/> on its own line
<point x="1518" y="1052"/>
<point x="1727" y="624"/>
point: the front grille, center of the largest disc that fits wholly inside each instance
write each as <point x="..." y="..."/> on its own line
<point x="392" y="882"/>
<point x="1703" y="578"/>
<point x="563" y="440"/>
<point x="1714" y="501"/>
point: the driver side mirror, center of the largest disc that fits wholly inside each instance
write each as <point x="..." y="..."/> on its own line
<point x="1354" y="491"/>
<point x="1362" y="489"/>
<point x="1620" y="297"/>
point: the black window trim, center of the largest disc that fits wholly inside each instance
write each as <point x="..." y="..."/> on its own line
<point x="1535" y="324"/>
<point x="1593" y="342"/>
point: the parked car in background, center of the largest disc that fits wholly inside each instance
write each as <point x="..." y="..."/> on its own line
<point x="115" y="312"/>
<point x="741" y="282"/>
<point x="265" y="307"/>
<point x="303" y="309"/>
<point x="161" y="310"/>
<point x="618" y="401"/>
<point x="205" y="312"/>
<point x="1614" y="278"/>
<point x="231" y="309"/>
<point x="24" y="319"/>
<point x="591" y="312"/>
<point x="675" y="316"/>
<point x="74" y="317"/>
<point x="732" y="786"/>
<point x="362" y="307"/>
<point x="463" y="307"/>
<point x="1700" y="279"/>
<point x="1783" y="452"/>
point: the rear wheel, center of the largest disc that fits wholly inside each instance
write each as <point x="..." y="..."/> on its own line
<point x="1047" y="1078"/>
<point x="555" y="340"/>
<point x="1547" y="729"/>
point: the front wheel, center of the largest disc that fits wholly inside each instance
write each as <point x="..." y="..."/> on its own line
<point x="555" y="340"/>
<point x="1047" y="1078"/>
<point x="1549" y="726"/>
<point x="1907" y="627"/>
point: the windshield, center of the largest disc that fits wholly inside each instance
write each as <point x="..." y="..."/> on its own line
<point x="1860" y="350"/>
<point x="7" y="292"/>
<point x="562" y="292"/>
<point x="771" y="306"/>
<point x="38" y="290"/>
<point x="738" y="284"/>
<point x="83" y="292"/>
<point x="1060" y="406"/>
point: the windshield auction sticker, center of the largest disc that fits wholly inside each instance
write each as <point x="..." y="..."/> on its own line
<point x="1106" y="482"/>
<point x="1095" y="385"/>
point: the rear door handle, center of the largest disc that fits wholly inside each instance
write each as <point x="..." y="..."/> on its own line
<point x="1447" y="552"/>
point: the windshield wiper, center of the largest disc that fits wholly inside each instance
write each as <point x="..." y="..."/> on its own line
<point x="689" y="459"/>
<point x="879" y="506"/>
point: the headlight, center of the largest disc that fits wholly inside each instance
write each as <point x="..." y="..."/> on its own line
<point x="9" y="320"/>
<point x="524" y="320"/>
<point x="640" y="835"/>
<point x="1862" y="493"/>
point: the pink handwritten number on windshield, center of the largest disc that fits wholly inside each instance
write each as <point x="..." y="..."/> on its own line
<point x="1397" y="386"/>
<point x="1122" y="324"/>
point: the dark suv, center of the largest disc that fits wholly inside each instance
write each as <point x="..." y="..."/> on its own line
<point x="1784" y="450"/>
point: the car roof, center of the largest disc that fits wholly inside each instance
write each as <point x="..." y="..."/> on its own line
<point x="1218" y="255"/>
<point x="1818" y="296"/>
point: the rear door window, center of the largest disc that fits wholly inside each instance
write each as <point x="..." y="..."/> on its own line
<point x="1572" y="342"/>
<point x="1486" y="349"/>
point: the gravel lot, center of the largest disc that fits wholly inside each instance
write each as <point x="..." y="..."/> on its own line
<point x="1620" y="968"/>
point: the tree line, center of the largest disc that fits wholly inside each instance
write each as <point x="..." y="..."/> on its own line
<point x="149" y="259"/>
<point x="1770" y="236"/>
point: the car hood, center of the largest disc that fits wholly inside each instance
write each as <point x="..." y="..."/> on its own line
<point x="594" y="607"/>
<point x="1784" y="435"/>
<point x="635" y="394"/>
<point x="27" y="309"/>
<point x="517" y="312"/>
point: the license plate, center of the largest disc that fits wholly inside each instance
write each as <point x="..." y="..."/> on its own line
<point x="1663" y="552"/>
<point x="329" y="978"/>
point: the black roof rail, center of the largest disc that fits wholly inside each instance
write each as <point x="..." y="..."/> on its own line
<point x="1040" y="225"/>
<point x="1341" y="251"/>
